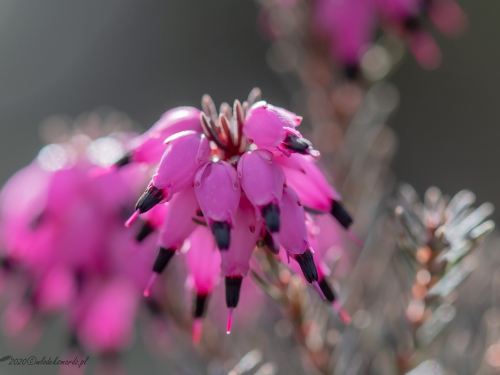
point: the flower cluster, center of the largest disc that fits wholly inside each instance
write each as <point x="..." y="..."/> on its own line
<point x="350" y="26"/>
<point x="64" y="248"/>
<point x="232" y="180"/>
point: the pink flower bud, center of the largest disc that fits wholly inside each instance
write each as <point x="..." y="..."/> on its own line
<point x="261" y="177"/>
<point x="293" y="232"/>
<point x="185" y="153"/>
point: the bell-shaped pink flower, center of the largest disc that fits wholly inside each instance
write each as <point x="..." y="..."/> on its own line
<point x="182" y="158"/>
<point x="178" y="226"/>
<point x="149" y="147"/>
<point x="235" y="261"/>
<point x="185" y="153"/>
<point x="203" y="261"/>
<point x="153" y="220"/>
<point x="218" y="191"/>
<point x="262" y="180"/>
<point x="305" y="178"/>
<point x="293" y="232"/>
<point x="273" y="129"/>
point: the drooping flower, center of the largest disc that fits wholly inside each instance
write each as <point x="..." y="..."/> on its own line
<point x="349" y="27"/>
<point x="231" y="177"/>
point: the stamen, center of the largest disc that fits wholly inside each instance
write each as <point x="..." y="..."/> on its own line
<point x="162" y="260"/>
<point x="197" y="330"/>
<point x="132" y="218"/>
<point x="344" y="315"/>
<point x="124" y="160"/>
<point x="355" y="239"/>
<point x="222" y="234"/>
<point x="151" y="281"/>
<point x="327" y="290"/>
<point x="145" y="231"/>
<point x="298" y="144"/>
<point x="271" y="214"/>
<point x="229" y="320"/>
<point x="233" y="288"/>
<point x="318" y="288"/>
<point x="306" y="263"/>
<point x="339" y="212"/>
<point x="150" y="198"/>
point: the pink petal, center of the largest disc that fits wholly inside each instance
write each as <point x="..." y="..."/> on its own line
<point x="261" y="177"/>
<point x="265" y="126"/>
<point x="293" y="232"/>
<point x="218" y="191"/>
<point x="203" y="260"/>
<point x="179" y="222"/>
<point x="149" y="147"/>
<point x="180" y="162"/>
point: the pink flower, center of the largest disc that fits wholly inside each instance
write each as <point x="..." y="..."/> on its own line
<point x="241" y="169"/>
<point x="218" y="192"/>
<point x="235" y="261"/>
<point x="203" y="260"/>
<point x="148" y="148"/>
<point x="272" y="129"/>
<point x="262" y="179"/>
